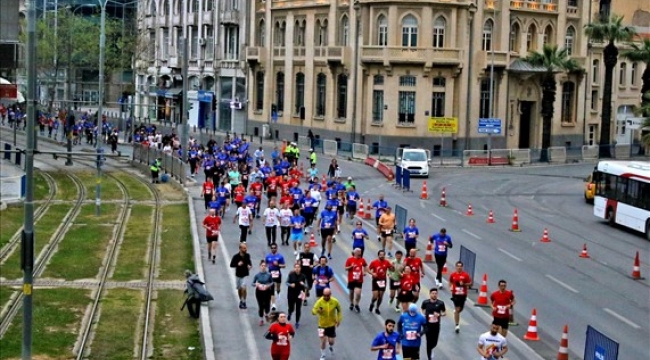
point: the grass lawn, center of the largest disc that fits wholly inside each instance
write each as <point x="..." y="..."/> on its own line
<point x="176" y="246"/>
<point x="108" y="186"/>
<point x="41" y="187"/>
<point x="65" y="188"/>
<point x="12" y="219"/>
<point x="57" y="317"/>
<point x="5" y="294"/>
<point x="170" y="192"/>
<point x="137" y="189"/>
<point x="43" y="231"/>
<point x="81" y="252"/>
<point x="132" y="258"/>
<point x="174" y="331"/>
<point x="116" y="331"/>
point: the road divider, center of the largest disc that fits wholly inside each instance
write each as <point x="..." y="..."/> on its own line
<point x="564" y="285"/>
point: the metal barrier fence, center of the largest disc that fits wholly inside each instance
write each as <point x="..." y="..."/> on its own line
<point x="401" y="215"/>
<point x="468" y="258"/>
<point x="599" y="347"/>
<point x="402" y="178"/>
<point x="171" y="165"/>
<point x="12" y="187"/>
<point x="15" y="158"/>
<point x="330" y="147"/>
<point x="360" y="151"/>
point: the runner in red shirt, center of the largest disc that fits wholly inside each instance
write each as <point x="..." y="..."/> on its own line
<point x="295" y="172"/>
<point x="280" y="333"/>
<point x="417" y="270"/>
<point x="271" y="186"/>
<point x="408" y="285"/>
<point x="207" y="191"/>
<point x="356" y="267"/>
<point x="459" y="282"/>
<point x="240" y="193"/>
<point x="212" y="224"/>
<point x="502" y="302"/>
<point x="287" y="199"/>
<point x="285" y="184"/>
<point x="258" y="188"/>
<point x="378" y="269"/>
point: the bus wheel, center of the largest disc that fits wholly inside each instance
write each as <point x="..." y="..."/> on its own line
<point x="610" y="217"/>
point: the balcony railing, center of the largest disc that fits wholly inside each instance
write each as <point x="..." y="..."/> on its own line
<point x="298" y="51"/>
<point x="278" y="52"/>
<point x="330" y="53"/>
<point x="572" y="11"/>
<point x="534" y="5"/>
<point x="230" y="17"/>
<point x="255" y="54"/>
<point x="397" y="54"/>
<point x="500" y="59"/>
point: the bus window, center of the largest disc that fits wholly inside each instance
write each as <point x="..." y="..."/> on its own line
<point x="621" y="188"/>
<point x="644" y="195"/>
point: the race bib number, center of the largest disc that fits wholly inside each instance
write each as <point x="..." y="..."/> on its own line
<point x="396" y="283"/>
<point x="306" y="262"/>
<point x="381" y="283"/>
<point x="321" y="332"/>
<point x="388" y="232"/>
<point x="459" y="290"/>
<point x="327" y="225"/>
<point x="270" y="220"/>
<point x="411" y="335"/>
<point x="275" y="274"/>
<point x="215" y="232"/>
<point x="387" y="354"/>
<point x="282" y="340"/>
<point x="285" y="222"/>
<point x="261" y="287"/>
<point x="356" y="275"/>
<point x="502" y="309"/>
<point x="433" y="318"/>
<point x="442" y="247"/>
<point x="208" y="191"/>
<point x="322" y="280"/>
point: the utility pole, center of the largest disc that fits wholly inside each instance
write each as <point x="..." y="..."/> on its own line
<point x="27" y="239"/>
<point x="185" y="116"/>
<point x="100" y="125"/>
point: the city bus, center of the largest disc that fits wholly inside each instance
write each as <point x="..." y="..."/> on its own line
<point x="623" y="194"/>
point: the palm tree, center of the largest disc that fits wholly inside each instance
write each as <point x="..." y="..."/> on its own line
<point x="644" y="110"/>
<point x="610" y="30"/>
<point x="554" y="61"/>
<point x="641" y="53"/>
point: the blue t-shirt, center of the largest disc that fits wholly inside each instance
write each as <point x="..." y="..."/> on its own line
<point x="307" y="204"/>
<point x="410" y="234"/>
<point x="438" y="241"/>
<point x="270" y="258"/>
<point x="251" y="200"/>
<point x="322" y="275"/>
<point x="297" y="224"/>
<point x="352" y="197"/>
<point x="358" y="236"/>
<point x="391" y="339"/>
<point x="328" y="219"/>
<point x="296" y="194"/>
<point x="379" y="204"/>
<point x="222" y="193"/>
<point x="215" y="204"/>
<point x="330" y="193"/>
<point x="410" y="326"/>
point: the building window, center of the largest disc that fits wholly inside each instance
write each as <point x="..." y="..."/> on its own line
<point x="594" y="99"/>
<point x="342" y="96"/>
<point x="232" y="42"/>
<point x="208" y="5"/>
<point x="166" y="10"/>
<point x="514" y="38"/>
<point x="321" y="87"/>
<point x="568" y="93"/>
<point x="591" y="136"/>
<point x="409" y="31"/>
<point x="178" y="37"/>
<point x="633" y="69"/>
<point x="165" y="42"/>
<point x="321" y="33"/>
<point x="299" y="33"/>
<point x="300" y="92"/>
<point x="548" y="35"/>
<point x="439" y="32"/>
<point x="377" y="106"/>
<point x="209" y="42"/>
<point x="177" y="9"/>
<point x="152" y="8"/>
<point x="261" y="33"/>
<point x="439" y="81"/>
<point x="259" y="91"/>
<point x="531" y="38"/>
<point x="280" y="29"/>
<point x="487" y="35"/>
<point x="621" y="74"/>
<point x="595" y="72"/>
<point x="605" y="8"/>
<point x="438" y="104"/>
<point x="194" y="42"/>
<point x="195" y="6"/>
<point x="345" y="31"/>
<point x="407" y="80"/>
<point x="573" y="3"/>
<point x="378" y="80"/>
<point x="279" y="91"/>
<point x="484" y="111"/>
<point x="152" y="45"/>
<point x="406" y="107"/>
<point x="569" y="40"/>
<point x="382" y="31"/>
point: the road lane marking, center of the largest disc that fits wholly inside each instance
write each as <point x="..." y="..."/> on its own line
<point x="422" y="204"/>
<point x="622" y="318"/>
<point x="471" y="234"/>
<point x="509" y="254"/>
<point x="438" y="217"/>
<point x="561" y="283"/>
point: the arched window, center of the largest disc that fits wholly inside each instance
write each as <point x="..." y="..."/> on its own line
<point x="439" y="32"/>
<point x="152" y="8"/>
<point x="633" y="71"/>
<point x="568" y="93"/>
<point x="531" y="38"/>
<point x="259" y="90"/>
<point x="208" y="5"/>
<point x="300" y="92"/>
<point x="484" y="107"/>
<point x="514" y="38"/>
<point x="569" y="40"/>
<point x="166" y="10"/>
<point x="595" y="72"/>
<point x="320" y="37"/>
<point x="342" y="96"/>
<point x="178" y="7"/>
<point x="261" y="33"/>
<point x="195" y="6"/>
<point x="487" y="35"/>
<point x="622" y="74"/>
<point x="279" y="91"/>
<point x="409" y="31"/>
<point x="344" y="31"/>
<point x="278" y="39"/>
<point x="321" y="88"/>
<point x="548" y="35"/>
<point x="382" y="31"/>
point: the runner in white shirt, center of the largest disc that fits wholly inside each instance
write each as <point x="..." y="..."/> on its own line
<point x="245" y="216"/>
<point x="492" y="345"/>
<point x="285" y="223"/>
<point x="228" y="186"/>
<point x="315" y="194"/>
<point x="271" y="222"/>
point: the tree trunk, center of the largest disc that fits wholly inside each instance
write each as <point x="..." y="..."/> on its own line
<point x="610" y="55"/>
<point x="548" y="100"/>
<point x="645" y="88"/>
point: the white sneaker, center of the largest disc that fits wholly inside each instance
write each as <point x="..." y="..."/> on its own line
<point x="295" y="253"/>
<point x="322" y="357"/>
<point x="273" y="307"/>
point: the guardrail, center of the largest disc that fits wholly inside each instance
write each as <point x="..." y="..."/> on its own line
<point x="172" y="165"/>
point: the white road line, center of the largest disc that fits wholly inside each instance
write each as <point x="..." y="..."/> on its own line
<point x="438" y="217"/>
<point x="562" y="284"/>
<point x="471" y="234"/>
<point x="422" y="204"/>
<point x="622" y="318"/>
<point x="509" y="254"/>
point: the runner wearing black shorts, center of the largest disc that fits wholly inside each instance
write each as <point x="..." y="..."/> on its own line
<point x="459" y="301"/>
<point x="354" y="285"/>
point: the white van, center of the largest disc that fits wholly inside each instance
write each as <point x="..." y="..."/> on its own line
<point x="415" y="160"/>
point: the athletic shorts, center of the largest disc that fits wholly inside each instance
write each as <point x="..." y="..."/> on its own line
<point x="386" y="234"/>
<point x="352" y="209"/>
<point x="277" y="280"/>
<point x="340" y="210"/>
<point x="377" y="221"/>
<point x="378" y="285"/>
<point x="241" y="283"/>
<point x="329" y="332"/>
<point x="354" y="284"/>
<point x="459" y="301"/>
<point x="319" y="291"/>
<point x="405" y="296"/>
<point x="326" y="232"/>
<point x="296" y="236"/>
<point x="411" y="352"/>
<point x="394" y="284"/>
<point x="211" y="239"/>
<point x="503" y="322"/>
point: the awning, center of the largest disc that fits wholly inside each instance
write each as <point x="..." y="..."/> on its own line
<point x="173" y="92"/>
<point x="521" y="66"/>
<point x="19" y="98"/>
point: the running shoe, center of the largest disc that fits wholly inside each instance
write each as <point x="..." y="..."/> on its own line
<point x="457" y="329"/>
<point x="372" y="307"/>
<point x="304" y="303"/>
<point x="377" y="311"/>
<point x="329" y="256"/>
<point x="261" y="322"/>
<point x="351" y="307"/>
<point x="356" y="308"/>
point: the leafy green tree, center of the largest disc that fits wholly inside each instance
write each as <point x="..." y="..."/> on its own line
<point x="644" y="110"/>
<point x="612" y="31"/>
<point x="641" y="53"/>
<point x="554" y="61"/>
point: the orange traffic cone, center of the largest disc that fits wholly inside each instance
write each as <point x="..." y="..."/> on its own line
<point x="636" y="269"/>
<point x="545" y="237"/>
<point x="515" y="222"/>
<point x="425" y="194"/>
<point x="323" y="184"/>
<point x="428" y="253"/>
<point x="443" y="199"/>
<point x="482" y="295"/>
<point x="312" y="241"/>
<point x="563" y="352"/>
<point x="368" y="210"/>
<point x="469" y="212"/>
<point x="531" y="334"/>
<point x="444" y="269"/>
<point x="361" y="213"/>
<point x="490" y="219"/>
<point x="584" y="253"/>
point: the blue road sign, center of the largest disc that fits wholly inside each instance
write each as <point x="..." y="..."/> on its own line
<point x="489" y="126"/>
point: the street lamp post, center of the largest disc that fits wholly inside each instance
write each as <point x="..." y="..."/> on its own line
<point x="100" y="108"/>
<point x="491" y="105"/>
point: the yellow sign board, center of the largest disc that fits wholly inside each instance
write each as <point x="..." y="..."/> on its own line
<point x="443" y="125"/>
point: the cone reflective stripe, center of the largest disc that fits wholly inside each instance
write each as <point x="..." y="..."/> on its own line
<point x="469" y="212"/>
<point x="424" y="195"/>
<point x="563" y="352"/>
<point x="545" y="237"/>
<point x="482" y="295"/>
<point x="584" y="253"/>
<point x="428" y="254"/>
<point x="312" y="240"/>
<point x="444" y="269"/>
<point x="531" y="333"/>
<point x="361" y="212"/>
<point x="636" y="269"/>
<point x="490" y="219"/>
<point x="368" y="210"/>
<point x="443" y="198"/>
<point x="323" y="184"/>
<point x="515" y="222"/>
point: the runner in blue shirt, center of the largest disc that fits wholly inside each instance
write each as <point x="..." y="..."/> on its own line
<point x="275" y="261"/>
<point x="223" y="196"/>
<point x="378" y="206"/>
<point x="327" y="225"/>
<point x="441" y="243"/>
<point x="297" y="226"/>
<point x="296" y="194"/>
<point x="352" y="196"/>
<point x="308" y="209"/>
<point x="359" y="235"/>
<point x="411" y="326"/>
<point x="251" y="200"/>
<point x="323" y="275"/>
<point x="411" y="234"/>
<point x="387" y="342"/>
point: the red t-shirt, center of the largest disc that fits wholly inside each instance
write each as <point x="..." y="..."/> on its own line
<point x="501" y="303"/>
<point x="208" y="188"/>
<point x="356" y="273"/>
<point x="415" y="264"/>
<point x="257" y="187"/>
<point x="407" y="282"/>
<point x="379" y="267"/>
<point x="240" y="192"/>
<point x="286" y="185"/>
<point x="455" y="279"/>
<point x="295" y="173"/>
<point x="281" y="346"/>
<point x="213" y="223"/>
<point x="272" y="185"/>
<point x="286" y="198"/>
